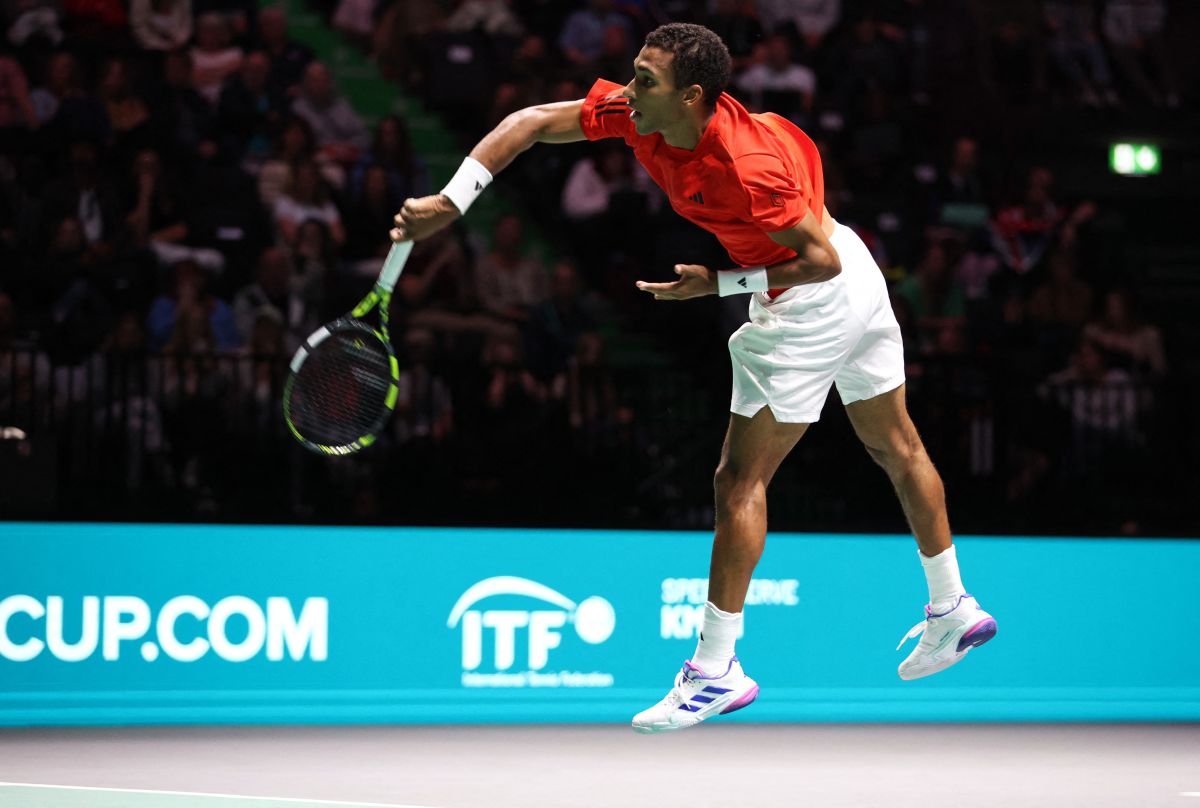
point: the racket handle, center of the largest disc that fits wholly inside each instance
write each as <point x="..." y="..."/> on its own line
<point x="393" y="264"/>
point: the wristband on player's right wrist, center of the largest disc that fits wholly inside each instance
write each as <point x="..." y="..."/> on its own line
<point x="467" y="184"/>
<point x="741" y="281"/>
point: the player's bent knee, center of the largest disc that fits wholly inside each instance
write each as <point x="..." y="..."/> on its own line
<point x="899" y="456"/>
<point x="733" y="490"/>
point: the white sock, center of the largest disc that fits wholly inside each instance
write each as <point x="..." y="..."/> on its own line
<point x="941" y="573"/>
<point x="717" y="636"/>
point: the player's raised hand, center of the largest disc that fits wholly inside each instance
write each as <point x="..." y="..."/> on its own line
<point x="421" y="218"/>
<point x="694" y="281"/>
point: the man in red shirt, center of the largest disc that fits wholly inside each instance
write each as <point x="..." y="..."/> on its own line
<point x="819" y="316"/>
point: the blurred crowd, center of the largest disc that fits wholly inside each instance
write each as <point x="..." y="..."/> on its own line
<point x="184" y="183"/>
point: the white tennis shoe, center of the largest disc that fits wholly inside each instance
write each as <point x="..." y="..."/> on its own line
<point x="946" y="637"/>
<point x="697" y="696"/>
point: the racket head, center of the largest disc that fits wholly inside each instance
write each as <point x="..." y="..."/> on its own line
<point x="341" y="388"/>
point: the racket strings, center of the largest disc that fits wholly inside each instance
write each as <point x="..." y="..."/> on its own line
<point x="340" y="391"/>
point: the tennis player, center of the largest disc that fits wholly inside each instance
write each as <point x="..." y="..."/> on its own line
<point x="819" y="316"/>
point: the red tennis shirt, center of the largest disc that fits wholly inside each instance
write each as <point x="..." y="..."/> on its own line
<point x="750" y="174"/>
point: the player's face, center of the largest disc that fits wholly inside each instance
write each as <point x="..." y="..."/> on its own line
<point x="652" y="94"/>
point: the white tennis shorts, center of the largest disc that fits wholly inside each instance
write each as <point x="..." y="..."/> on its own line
<point x="839" y="332"/>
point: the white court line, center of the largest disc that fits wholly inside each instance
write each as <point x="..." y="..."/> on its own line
<point x="1189" y="793"/>
<point x="218" y="796"/>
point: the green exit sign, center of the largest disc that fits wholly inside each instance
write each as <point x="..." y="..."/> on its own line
<point x="1134" y="159"/>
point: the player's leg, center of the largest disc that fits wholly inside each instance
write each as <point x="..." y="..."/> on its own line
<point x="712" y="681"/>
<point x="954" y="622"/>
<point x="753" y="449"/>
<point x="890" y="437"/>
<point x="870" y="383"/>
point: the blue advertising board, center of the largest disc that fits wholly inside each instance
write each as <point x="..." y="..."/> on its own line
<point x="114" y="624"/>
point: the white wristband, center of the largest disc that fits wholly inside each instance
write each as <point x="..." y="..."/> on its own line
<point x="467" y="183"/>
<point x="741" y="281"/>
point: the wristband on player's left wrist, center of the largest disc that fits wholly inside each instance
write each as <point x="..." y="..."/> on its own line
<point x="741" y="281"/>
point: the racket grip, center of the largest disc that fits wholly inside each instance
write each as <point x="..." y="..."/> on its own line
<point x="393" y="264"/>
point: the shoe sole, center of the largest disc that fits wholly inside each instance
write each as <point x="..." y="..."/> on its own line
<point x="745" y="700"/>
<point x="978" y="635"/>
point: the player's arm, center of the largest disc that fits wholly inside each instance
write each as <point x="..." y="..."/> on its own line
<point x="544" y="123"/>
<point x="816" y="260"/>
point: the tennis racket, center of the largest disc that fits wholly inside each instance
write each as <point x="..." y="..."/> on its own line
<point x="342" y="385"/>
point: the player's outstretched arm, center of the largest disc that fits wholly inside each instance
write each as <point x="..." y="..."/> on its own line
<point x="545" y="123"/>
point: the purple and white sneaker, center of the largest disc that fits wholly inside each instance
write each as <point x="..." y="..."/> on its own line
<point x="697" y="696"/>
<point x="946" y="636"/>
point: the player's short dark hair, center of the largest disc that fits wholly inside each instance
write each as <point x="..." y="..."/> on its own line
<point x="700" y="57"/>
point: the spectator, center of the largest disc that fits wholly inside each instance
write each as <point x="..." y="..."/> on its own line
<point x="1128" y="343"/>
<point x="594" y="181"/>
<point x="190" y="319"/>
<point x="288" y="292"/>
<point x="161" y="25"/>
<point x="316" y="257"/>
<point x="510" y="281"/>
<point x="1010" y="50"/>
<point x="97" y="24"/>
<point x="591" y="391"/>
<point x="154" y="211"/>
<point x="25" y="373"/>
<point x="34" y="20"/>
<point x="1135" y="32"/>
<point x="1102" y="404"/>
<point x="60" y="83"/>
<point x="356" y="20"/>
<point x="962" y="182"/>
<point x="65" y="262"/>
<point x="307" y="197"/>
<point x="809" y="20"/>
<point x="1023" y="233"/>
<point x="736" y="22"/>
<point x="250" y="110"/>
<point x="370" y="217"/>
<point x="189" y="329"/>
<point x="406" y="173"/>
<point x="935" y="300"/>
<point x="16" y="107"/>
<point x="236" y="13"/>
<point x="127" y="111"/>
<point x="185" y="126"/>
<point x="86" y="194"/>
<point x="865" y="62"/>
<point x="294" y="144"/>
<point x="424" y="406"/>
<point x="339" y="132"/>
<point x="1075" y="45"/>
<point x="214" y="57"/>
<point x="1064" y="300"/>
<point x="583" y="35"/>
<point x="554" y="329"/>
<point x="288" y="57"/>
<point x="513" y="395"/>
<point x="492" y="17"/>
<point x="778" y="84"/>
<point x="261" y="373"/>
<point x="437" y="291"/>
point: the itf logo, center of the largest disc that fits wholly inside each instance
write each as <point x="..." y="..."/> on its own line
<point x="541" y="629"/>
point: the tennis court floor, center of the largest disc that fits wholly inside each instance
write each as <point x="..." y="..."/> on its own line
<point x="734" y="765"/>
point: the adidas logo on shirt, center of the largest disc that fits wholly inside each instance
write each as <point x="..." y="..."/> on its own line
<point x="697" y="197"/>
